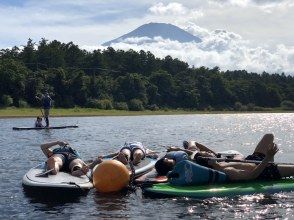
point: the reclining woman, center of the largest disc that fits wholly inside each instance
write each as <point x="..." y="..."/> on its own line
<point x="195" y="151"/>
<point x="250" y="171"/>
<point x="63" y="158"/>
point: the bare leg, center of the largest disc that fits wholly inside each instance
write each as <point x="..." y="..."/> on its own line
<point x="55" y="163"/>
<point x="264" y="144"/>
<point x="124" y="156"/>
<point x="286" y="170"/>
<point x="46" y="115"/>
<point x="95" y="162"/>
<point x="137" y="156"/>
<point x="192" y="145"/>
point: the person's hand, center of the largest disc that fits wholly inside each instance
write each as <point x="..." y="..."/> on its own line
<point x="272" y="150"/>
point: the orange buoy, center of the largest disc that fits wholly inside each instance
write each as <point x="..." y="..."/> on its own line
<point x="110" y="176"/>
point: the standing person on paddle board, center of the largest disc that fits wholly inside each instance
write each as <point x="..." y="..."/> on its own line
<point x="46" y="104"/>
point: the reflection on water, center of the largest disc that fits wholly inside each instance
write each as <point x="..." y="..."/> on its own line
<point x="101" y="135"/>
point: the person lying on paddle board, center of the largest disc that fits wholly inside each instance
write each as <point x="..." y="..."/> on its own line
<point x="38" y="122"/>
<point x="258" y="154"/>
<point x="63" y="158"/>
<point x="131" y="151"/>
<point x="237" y="171"/>
<point x="195" y="151"/>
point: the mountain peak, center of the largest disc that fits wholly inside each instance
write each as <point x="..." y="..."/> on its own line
<point x="152" y="30"/>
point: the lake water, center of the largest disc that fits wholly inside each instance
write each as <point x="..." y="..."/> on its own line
<point x="20" y="151"/>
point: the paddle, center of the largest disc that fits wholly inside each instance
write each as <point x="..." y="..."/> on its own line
<point x="239" y="161"/>
<point x="44" y="174"/>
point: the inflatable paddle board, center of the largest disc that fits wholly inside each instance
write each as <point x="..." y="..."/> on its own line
<point x="144" y="166"/>
<point x="221" y="190"/>
<point x="36" y="180"/>
<point x="44" y="128"/>
<point x="62" y="182"/>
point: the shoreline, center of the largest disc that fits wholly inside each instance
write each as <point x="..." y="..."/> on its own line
<point x="88" y="112"/>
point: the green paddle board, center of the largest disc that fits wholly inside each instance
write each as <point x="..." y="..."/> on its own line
<point x="221" y="190"/>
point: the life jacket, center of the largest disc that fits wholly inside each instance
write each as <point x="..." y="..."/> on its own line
<point x="187" y="173"/>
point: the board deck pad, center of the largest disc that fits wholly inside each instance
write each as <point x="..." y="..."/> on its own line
<point x="151" y="177"/>
<point x="61" y="180"/>
<point x="144" y="166"/>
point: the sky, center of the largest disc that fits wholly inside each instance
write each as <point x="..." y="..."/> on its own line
<point x="255" y="35"/>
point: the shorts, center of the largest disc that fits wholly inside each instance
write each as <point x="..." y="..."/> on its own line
<point x="271" y="172"/>
<point x="255" y="156"/>
<point x="134" y="146"/>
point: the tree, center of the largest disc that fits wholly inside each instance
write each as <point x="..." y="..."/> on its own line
<point x="132" y="86"/>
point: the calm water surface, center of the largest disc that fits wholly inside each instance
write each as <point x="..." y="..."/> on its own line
<point x="100" y="135"/>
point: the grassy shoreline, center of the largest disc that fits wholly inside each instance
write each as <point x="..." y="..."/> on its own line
<point x="84" y="112"/>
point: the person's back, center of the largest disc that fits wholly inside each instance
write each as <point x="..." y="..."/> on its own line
<point x="47" y="101"/>
<point x="38" y="122"/>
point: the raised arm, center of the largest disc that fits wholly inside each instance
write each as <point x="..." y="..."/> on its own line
<point x="46" y="147"/>
<point x="189" y="152"/>
<point x="203" y="148"/>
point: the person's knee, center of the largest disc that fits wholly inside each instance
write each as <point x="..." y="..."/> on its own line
<point x="138" y="154"/>
<point x="269" y="136"/>
<point x="126" y="153"/>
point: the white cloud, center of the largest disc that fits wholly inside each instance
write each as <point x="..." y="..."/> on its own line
<point x="175" y="10"/>
<point x="171" y="8"/>
<point x="218" y="48"/>
<point x="266" y="44"/>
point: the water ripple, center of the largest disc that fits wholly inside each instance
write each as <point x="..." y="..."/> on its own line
<point x="100" y="135"/>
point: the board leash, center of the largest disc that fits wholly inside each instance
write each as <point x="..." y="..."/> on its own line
<point x="132" y="186"/>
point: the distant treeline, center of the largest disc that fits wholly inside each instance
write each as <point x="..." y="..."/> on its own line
<point x="131" y="80"/>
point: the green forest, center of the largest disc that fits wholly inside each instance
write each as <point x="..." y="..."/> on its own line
<point x="130" y="80"/>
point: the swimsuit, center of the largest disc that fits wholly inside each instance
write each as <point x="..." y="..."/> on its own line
<point x="271" y="172"/>
<point x="67" y="155"/>
<point x="255" y="156"/>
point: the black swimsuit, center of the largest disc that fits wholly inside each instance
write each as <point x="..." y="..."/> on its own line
<point x="271" y="172"/>
<point x="255" y="156"/>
